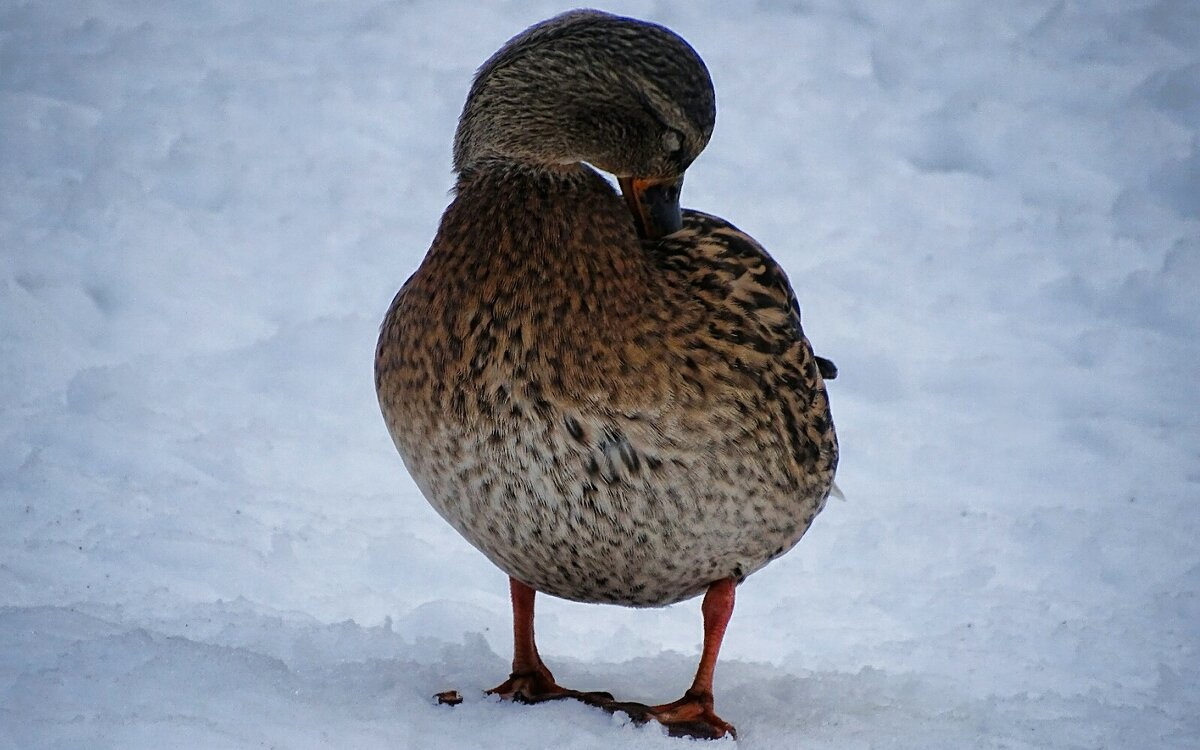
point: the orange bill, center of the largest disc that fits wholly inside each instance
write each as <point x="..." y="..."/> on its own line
<point x="654" y="204"/>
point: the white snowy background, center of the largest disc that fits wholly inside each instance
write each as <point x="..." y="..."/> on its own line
<point x="990" y="212"/>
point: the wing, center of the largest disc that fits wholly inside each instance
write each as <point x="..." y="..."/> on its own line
<point x="751" y="319"/>
<point x="738" y="280"/>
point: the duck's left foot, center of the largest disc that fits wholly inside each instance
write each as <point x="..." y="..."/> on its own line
<point x="538" y="686"/>
<point x="690" y="716"/>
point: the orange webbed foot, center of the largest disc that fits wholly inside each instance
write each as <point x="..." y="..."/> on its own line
<point x="538" y="686"/>
<point x="690" y="716"/>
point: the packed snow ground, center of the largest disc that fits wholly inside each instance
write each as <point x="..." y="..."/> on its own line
<point x="990" y="212"/>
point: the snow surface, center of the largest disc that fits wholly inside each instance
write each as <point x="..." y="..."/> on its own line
<point x="990" y="212"/>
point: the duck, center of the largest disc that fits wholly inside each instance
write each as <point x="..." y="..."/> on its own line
<point x="610" y="397"/>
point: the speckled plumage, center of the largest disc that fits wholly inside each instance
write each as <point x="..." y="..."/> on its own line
<point x="607" y="420"/>
<point x="609" y="414"/>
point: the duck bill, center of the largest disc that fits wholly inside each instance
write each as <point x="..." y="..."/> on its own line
<point x="654" y="204"/>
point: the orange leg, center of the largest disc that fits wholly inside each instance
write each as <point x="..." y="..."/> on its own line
<point x="693" y="715"/>
<point x="531" y="681"/>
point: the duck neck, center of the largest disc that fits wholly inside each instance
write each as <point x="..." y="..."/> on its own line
<point x="554" y="241"/>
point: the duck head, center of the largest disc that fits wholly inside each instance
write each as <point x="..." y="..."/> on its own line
<point x="629" y="97"/>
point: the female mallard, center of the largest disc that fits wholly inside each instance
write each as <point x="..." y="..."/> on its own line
<point x="612" y="400"/>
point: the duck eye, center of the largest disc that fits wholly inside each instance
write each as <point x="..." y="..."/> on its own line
<point x="672" y="142"/>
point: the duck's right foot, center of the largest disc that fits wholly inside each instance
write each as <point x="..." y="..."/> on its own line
<point x="690" y="716"/>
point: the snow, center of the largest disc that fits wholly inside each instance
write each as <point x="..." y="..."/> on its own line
<point x="991" y="215"/>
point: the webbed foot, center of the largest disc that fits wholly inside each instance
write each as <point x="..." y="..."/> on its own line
<point x="538" y="686"/>
<point x="690" y="716"/>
